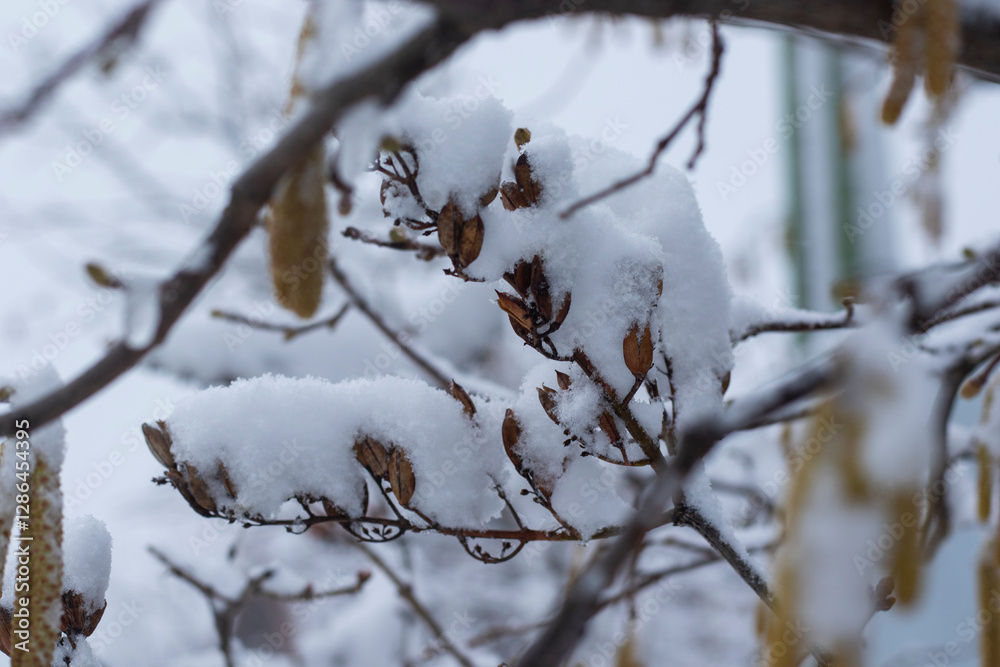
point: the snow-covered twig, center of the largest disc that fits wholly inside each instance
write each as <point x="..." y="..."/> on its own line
<point x="818" y="322"/>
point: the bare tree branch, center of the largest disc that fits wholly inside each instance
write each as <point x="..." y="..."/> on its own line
<point x="440" y="379"/>
<point x="858" y="21"/>
<point x="382" y="80"/>
<point x="123" y="32"/>
<point x="700" y="109"/>
<point x="289" y="332"/>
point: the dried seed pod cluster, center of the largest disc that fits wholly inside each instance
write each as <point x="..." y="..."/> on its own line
<point x="510" y="431"/>
<point x="532" y="314"/>
<point x="78" y="618"/>
<point x="637" y="348"/>
<point x="459" y="235"/>
<point x="196" y="486"/>
<point x="389" y="464"/>
<point x="926" y="41"/>
<point x="525" y="190"/>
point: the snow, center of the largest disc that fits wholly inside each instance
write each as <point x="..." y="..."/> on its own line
<point x="87" y="560"/>
<point x="48" y="441"/>
<point x="264" y="429"/>
<point x="232" y="90"/>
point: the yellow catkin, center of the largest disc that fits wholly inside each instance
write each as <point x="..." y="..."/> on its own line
<point x="628" y="655"/>
<point x="298" y="222"/>
<point x="44" y="606"/>
<point x="907" y="556"/>
<point x="996" y="545"/>
<point x="942" y="44"/>
<point x="985" y="480"/>
<point x="857" y="486"/>
<point x="786" y="440"/>
<point x="762" y="619"/>
<point x="905" y="66"/>
<point x="779" y="653"/>
<point x="786" y="591"/>
<point x="989" y="637"/>
<point x="298" y="229"/>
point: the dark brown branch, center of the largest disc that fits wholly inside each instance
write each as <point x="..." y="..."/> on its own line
<point x="580" y="603"/>
<point x="289" y="332"/>
<point x="440" y="379"/>
<point x="124" y="32"/>
<point x="383" y="80"/>
<point x="700" y="109"/>
<point x="860" y="22"/>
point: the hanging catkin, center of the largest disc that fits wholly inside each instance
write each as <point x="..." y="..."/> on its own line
<point x="298" y="224"/>
<point x="926" y="42"/>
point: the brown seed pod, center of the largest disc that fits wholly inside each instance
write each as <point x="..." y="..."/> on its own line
<point x="470" y="240"/>
<point x="449" y="225"/>
<point x="227" y="481"/>
<point x="487" y="197"/>
<point x="334" y="510"/>
<point x="563" y="312"/>
<point x="510" y="430"/>
<point x="199" y="489"/>
<point x="158" y="441"/>
<point x="75" y="619"/>
<point x="530" y="188"/>
<point x="511" y="197"/>
<point x="401" y="477"/>
<point x="547" y="397"/>
<point x="563" y="380"/>
<point x="540" y="289"/>
<point x="516" y="308"/>
<point x="373" y="455"/>
<point x="521" y="278"/>
<point x="638" y="352"/>
<point x="468" y="407"/>
<point x="298" y="235"/>
<point x="607" y="424"/>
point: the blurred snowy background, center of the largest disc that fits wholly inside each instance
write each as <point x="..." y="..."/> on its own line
<point x="127" y="167"/>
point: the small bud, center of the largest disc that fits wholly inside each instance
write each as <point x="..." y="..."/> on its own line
<point x="522" y="135"/>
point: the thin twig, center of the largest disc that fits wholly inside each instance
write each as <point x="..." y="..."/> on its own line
<point x="439" y="377"/>
<point x="405" y="591"/>
<point x="425" y="251"/>
<point x="123" y="32"/>
<point x="226" y="609"/>
<point x="700" y="109"/>
<point x="384" y="79"/>
<point x="289" y="332"/>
